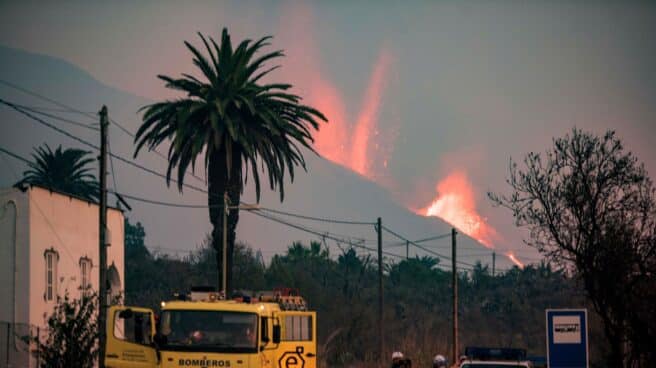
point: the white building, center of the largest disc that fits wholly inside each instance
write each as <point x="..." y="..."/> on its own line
<point x="49" y="247"/>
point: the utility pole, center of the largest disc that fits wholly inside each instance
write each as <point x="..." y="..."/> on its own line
<point x="102" y="231"/>
<point x="494" y="262"/>
<point x="224" y="268"/>
<point x="454" y="283"/>
<point x="407" y="249"/>
<point x="381" y="339"/>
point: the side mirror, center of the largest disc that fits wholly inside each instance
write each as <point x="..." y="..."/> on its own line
<point x="126" y="314"/>
<point x="160" y="339"/>
<point x="276" y="334"/>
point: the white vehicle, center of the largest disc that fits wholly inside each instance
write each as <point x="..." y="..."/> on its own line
<point x="494" y="364"/>
<point x="494" y="358"/>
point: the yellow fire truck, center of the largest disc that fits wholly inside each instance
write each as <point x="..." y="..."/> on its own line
<point x="269" y="330"/>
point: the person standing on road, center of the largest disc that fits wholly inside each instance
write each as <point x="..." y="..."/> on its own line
<point x="397" y="359"/>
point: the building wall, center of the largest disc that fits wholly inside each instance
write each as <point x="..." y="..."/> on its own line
<point x="14" y="256"/>
<point x="69" y="226"/>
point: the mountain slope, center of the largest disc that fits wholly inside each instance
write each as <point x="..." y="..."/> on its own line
<point x="327" y="190"/>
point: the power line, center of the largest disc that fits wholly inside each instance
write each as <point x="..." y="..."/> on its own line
<point x="163" y="203"/>
<point x="6" y="152"/>
<point x="34" y="94"/>
<point x="325" y="235"/>
<point x="22" y="109"/>
<point x="131" y="134"/>
<point x="67" y="108"/>
<point x="358" y="243"/>
<point x="423" y="248"/>
<point x="52" y="116"/>
<point x="82" y="141"/>
<point x="320" y="219"/>
<point x="33" y="200"/>
<point x="436" y="237"/>
<point x="111" y="163"/>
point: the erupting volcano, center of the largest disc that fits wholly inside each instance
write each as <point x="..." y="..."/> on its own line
<point x="354" y="136"/>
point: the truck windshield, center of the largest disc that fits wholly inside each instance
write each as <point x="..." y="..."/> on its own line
<point x="216" y="331"/>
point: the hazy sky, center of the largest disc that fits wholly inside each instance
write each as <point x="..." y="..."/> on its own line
<point x="450" y="87"/>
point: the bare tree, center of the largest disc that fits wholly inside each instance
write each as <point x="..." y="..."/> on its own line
<point x="590" y="208"/>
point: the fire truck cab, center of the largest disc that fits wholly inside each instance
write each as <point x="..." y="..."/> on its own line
<point x="270" y="330"/>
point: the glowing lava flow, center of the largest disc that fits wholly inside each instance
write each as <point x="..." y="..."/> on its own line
<point x="514" y="260"/>
<point x="455" y="204"/>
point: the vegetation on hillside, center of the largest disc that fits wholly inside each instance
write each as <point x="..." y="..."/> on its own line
<point x="507" y="309"/>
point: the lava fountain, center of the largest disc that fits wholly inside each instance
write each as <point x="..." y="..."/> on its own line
<point x="455" y="204"/>
<point x="514" y="259"/>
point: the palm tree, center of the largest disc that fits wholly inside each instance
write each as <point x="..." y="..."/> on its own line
<point x="236" y="121"/>
<point x="66" y="171"/>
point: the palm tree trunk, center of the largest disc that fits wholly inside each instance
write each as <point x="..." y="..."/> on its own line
<point x="216" y="181"/>
<point x="234" y="196"/>
<point x="218" y="184"/>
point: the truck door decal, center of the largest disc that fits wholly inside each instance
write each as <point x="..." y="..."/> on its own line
<point x="292" y="359"/>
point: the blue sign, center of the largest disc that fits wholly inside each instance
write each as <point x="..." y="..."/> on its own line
<point x="567" y="338"/>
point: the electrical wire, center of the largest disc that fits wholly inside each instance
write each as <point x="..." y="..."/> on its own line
<point x="353" y="242"/>
<point x="436" y="237"/>
<point x="111" y="163"/>
<point x="26" y="110"/>
<point x="36" y="205"/>
<point x="52" y="116"/>
<point x="322" y="235"/>
<point x="67" y="108"/>
<point x="82" y="141"/>
<point x="22" y="108"/>
<point x="37" y="95"/>
<point x="320" y="219"/>
<point x="9" y="153"/>
<point x="423" y="248"/>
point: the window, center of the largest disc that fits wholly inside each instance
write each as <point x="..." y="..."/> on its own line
<point x="264" y="329"/>
<point x="85" y="276"/>
<point x="215" y="331"/>
<point x="298" y="328"/>
<point x="52" y="258"/>
<point x="133" y="327"/>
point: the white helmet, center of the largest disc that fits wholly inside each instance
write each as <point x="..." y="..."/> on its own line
<point x="397" y="355"/>
<point x="439" y="361"/>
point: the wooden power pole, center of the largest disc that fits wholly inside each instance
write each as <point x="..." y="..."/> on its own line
<point x="381" y="338"/>
<point x="454" y="283"/>
<point x="102" y="231"/>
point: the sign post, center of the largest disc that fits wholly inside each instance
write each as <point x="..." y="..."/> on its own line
<point x="567" y="338"/>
